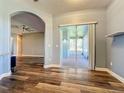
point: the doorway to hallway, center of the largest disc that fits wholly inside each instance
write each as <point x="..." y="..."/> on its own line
<point x="27" y="40"/>
<point x="75" y="46"/>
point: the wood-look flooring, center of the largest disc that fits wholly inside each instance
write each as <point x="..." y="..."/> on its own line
<point x="31" y="77"/>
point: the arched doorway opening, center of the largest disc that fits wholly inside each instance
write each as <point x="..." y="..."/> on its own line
<point x="27" y="40"/>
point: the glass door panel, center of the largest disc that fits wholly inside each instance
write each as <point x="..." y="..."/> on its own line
<point x="82" y="46"/>
<point x="68" y="45"/>
<point x="74" y="46"/>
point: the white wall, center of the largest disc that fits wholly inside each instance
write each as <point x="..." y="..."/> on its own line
<point x="115" y="46"/>
<point x="1" y="24"/>
<point x="36" y="47"/>
<point x="4" y="54"/>
<point x="82" y="17"/>
<point x="33" y="44"/>
<point x="4" y="65"/>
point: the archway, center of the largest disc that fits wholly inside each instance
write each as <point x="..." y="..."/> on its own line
<point x="25" y="26"/>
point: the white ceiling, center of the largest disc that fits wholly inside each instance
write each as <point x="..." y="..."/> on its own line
<point x="63" y="6"/>
<point x="31" y="21"/>
<point x="56" y="7"/>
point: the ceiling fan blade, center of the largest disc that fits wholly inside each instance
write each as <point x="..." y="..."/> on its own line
<point x="30" y="30"/>
<point x="14" y="26"/>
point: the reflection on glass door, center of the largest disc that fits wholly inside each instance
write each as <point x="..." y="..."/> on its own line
<point x="74" y="46"/>
<point x="68" y="45"/>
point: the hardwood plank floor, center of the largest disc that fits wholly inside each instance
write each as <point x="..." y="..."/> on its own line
<point x="31" y="77"/>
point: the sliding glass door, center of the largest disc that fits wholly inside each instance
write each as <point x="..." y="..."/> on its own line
<point x="74" y="46"/>
<point x="82" y="46"/>
<point x="68" y="45"/>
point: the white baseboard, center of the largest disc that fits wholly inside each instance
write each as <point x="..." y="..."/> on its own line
<point x="52" y="65"/>
<point x="101" y="69"/>
<point x="5" y="75"/>
<point x="112" y="73"/>
<point x="32" y="56"/>
<point x="116" y="76"/>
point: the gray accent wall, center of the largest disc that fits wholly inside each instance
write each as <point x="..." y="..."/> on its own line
<point x="115" y="45"/>
<point x="83" y="17"/>
<point x="118" y="55"/>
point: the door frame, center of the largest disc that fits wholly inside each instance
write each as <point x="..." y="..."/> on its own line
<point x="92" y="60"/>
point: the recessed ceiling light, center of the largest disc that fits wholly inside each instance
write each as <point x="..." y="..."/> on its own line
<point x="74" y="1"/>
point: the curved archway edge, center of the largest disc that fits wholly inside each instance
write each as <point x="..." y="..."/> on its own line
<point x="12" y="13"/>
<point x="39" y="16"/>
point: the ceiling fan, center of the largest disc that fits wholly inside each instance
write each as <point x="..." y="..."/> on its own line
<point x="23" y="27"/>
<point x="14" y="26"/>
<point x="26" y="28"/>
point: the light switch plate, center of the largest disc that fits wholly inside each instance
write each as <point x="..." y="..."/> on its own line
<point x="111" y="63"/>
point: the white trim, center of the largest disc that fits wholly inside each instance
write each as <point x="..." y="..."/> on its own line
<point x="101" y="69"/>
<point x="52" y="65"/>
<point x="112" y="73"/>
<point x="32" y="56"/>
<point x="84" y="23"/>
<point x="115" y="34"/>
<point x="5" y="75"/>
<point x="116" y="76"/>
<point x="92" y="46"/>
